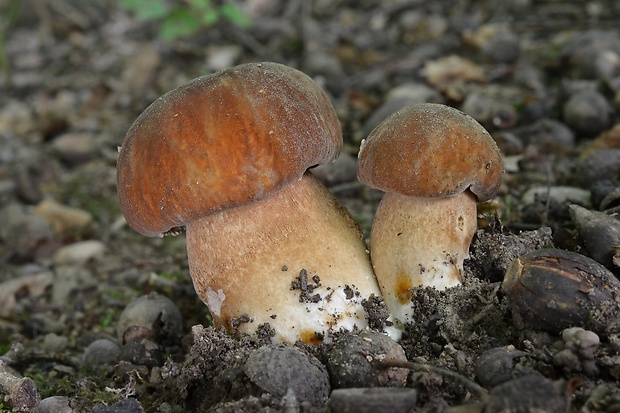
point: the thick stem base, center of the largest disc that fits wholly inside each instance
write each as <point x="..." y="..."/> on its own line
<point x="295" y="260"/>
<point x="420" y="242"/>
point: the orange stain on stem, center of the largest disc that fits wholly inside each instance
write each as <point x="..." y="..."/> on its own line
<point x="403" y="287"/>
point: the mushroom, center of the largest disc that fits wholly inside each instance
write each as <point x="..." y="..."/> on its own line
<point x="433" y="162"/>
<point x="226" y="156"/>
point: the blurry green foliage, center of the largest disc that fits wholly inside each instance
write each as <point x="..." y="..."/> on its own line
<point x="9" y="11"/>
<point x="187" y="19"/>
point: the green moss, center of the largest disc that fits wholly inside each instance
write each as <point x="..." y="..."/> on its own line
<point x="87" y="392"/>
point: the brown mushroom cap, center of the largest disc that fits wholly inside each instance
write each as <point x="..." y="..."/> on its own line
<point x="223" y="140"/>
<point x="431" y="150"/>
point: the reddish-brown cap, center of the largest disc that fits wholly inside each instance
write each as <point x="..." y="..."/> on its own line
<point x="223" y="140"/>
<point x="431" y="150"/>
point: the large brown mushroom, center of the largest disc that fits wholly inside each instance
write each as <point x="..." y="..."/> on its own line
<point x="433" y="162"/>
<point x="226" y="156"/>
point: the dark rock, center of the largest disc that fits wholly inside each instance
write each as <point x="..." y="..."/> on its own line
<point x="130" y="405"/>
<point x="350" y="361"/>
<point x="588" y="113"/>
<point x="142" y="352"/>
<point x="101" y="354"/>
<point x="154" y="316"/>
<point x="372" y="400"/>
<point x="276" y="368"/>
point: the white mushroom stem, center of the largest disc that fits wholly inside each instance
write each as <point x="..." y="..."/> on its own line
<point x="420" y="242"/>
<point x="243" y="262"/>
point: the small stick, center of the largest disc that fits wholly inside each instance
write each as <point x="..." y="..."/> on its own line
<point x="22" y="393"/>
<point x="479" y="392"/>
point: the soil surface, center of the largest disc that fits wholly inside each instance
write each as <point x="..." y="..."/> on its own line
<point x="95" y="317"/>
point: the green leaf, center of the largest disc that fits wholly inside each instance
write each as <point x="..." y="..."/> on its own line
<point x="181" y="22"/>
<point x="235" y="15"/>
<point x="131" y="5"/>
<point x="210" y="17"/>
<point x="146" y="9"/>
<point x="201" y="5"/>
<point x="155" y="10"/>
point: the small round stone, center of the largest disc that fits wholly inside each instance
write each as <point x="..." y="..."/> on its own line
<point x="542" y="395"/>
<point x="277" y="367"/>
<point x="350" y="361"/>
<point x="152" y="316"/>
<point x="142" y="352"/>
<point x="129" y="405"/>
<point x="496" y="365"/>
<point x="55" y="404"/>
<point x="101" y="354"/>
<point x="588" y="113"/>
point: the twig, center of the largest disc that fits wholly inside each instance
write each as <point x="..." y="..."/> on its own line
<point x="549" y="171"/>
<point x="479" y="392"/>
<point x="21" y="392"/>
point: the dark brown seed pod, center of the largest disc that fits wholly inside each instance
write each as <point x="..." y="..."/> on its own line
<point x="554" y="289"/>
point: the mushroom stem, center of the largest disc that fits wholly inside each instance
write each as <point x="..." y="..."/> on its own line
<point x="420" y="242"/>
<point x="295" y="260"/>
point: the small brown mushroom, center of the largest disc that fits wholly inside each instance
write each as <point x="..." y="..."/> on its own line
<point x="226" y="156"/>
<point x="433" y="162"/>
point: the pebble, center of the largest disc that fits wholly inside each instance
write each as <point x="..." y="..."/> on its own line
<point x="600" y="234"/>
<point x="546" y="134"/>
<point x="75" y="148"/>
<point x="63" y="219"/>
<point x="496" y="365"/>
<point x="610" y="199"/>
<point x="101" y="354"/>
<point x="603" y="190"/>
<point x="68" y="278"/>
<point x="490" y="112"/>
<point x="151" y="315"/>
<point x="592" y="54"/>
<point x="79" y="253"/>
<point x="503" y="48"/>
<point x="406" y="94"/>
<point x="24" y="285"/>
<point x="446" y="71"/>
<point x="33" y="174"/>
<point x="55" y="404"/>
<point x="277" y="367"/>
<point x="222" y="57"/>
<point x="54" y="343"/>
<point x="597" y="166"/>
<point x="372" y="400"/>
<point x="327" y="70"/>
<point x="558" y="195"/>
<point x="588" y="113"/>
<point x="343" y="169"/>
<point x="528" y="394"/>
<point x="142" y="352"/>
<point x="23" y="231"/>
<point x="129" y="405"/>
<point x="16" y="116"/>
<point x="7" y="189"/>
<point x="349" y="362"/>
